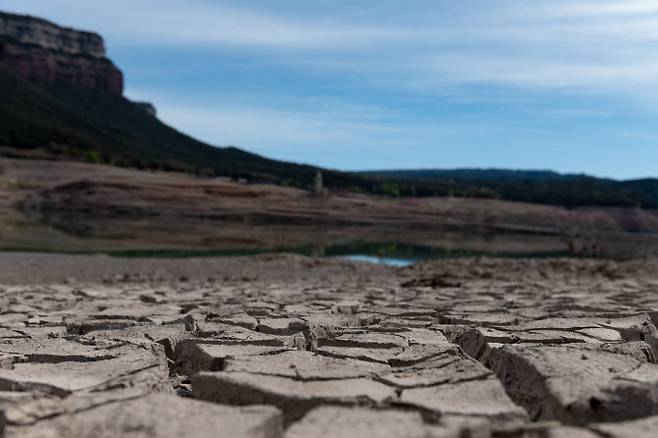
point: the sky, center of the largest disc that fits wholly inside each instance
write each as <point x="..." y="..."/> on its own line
<point x="567" y="85"/>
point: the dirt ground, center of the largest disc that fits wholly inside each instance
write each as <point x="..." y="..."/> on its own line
<point x="291" y="346"/>
<point x="67" y="206"/>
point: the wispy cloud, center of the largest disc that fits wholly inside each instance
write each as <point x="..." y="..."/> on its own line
<point x="303" y="126"/>
<point x="441" y="79"/>
<point x="180" y="23"/>
<point x="579" y="9"/>
<point x="609" y="45"/>
<point x="533" y="72"/>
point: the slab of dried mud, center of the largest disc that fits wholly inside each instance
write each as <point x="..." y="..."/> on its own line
<point x="289" y="346"/>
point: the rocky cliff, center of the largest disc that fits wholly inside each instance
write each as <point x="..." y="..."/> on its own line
<point x="38" y="49"/>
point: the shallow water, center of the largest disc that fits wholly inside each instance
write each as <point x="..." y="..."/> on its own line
<point x="387" y="261"/>
<point x="152" y="239"/>
<point x="397" y="254"/>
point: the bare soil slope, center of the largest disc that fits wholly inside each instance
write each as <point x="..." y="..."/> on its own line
<point x="90" y="206"/>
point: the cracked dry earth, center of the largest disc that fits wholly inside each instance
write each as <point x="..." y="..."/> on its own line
<point x="287" y="346"/>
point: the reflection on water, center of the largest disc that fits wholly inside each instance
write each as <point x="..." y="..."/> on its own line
<point x="414" y="252"/>
<point x="387" y="261"/>
<point x="165" y="237"/>
<point x="403" y="254"/>
<point x="398" y="254"/>
<point x="385" y="253"/>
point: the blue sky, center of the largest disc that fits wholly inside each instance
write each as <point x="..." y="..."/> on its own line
<point x="569" y="85"/>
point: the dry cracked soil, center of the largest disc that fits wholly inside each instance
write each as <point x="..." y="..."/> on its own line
<point x="285" y="346"/>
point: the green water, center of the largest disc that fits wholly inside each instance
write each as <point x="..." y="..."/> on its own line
<point x="390" y="253"/>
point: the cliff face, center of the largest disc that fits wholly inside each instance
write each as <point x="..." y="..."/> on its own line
<point x="37" y="49"/>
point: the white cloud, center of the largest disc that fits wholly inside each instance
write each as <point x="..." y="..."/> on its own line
<point x="546" y="61"/>
<point x="544" y="73"/>
<point x="177" y="22"/>
<point x="601" y="8"/>
<point x="335" y="133"/>
<point x="604" y="46"/>
<point x="269" y="129"/>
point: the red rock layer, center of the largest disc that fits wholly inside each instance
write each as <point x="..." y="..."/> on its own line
<point x="35" y="63"/>
<point x="39" y="50"/>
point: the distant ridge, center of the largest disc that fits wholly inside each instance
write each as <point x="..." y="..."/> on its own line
<point x="537" y="186"/>
<point x="475" y="174"/>
<point x="61" y="98"/>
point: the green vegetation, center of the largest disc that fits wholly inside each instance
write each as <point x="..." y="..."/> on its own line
<point x="13" y="185"/>
<point x="387" y="250"/>
<point x="62" y="121"/>
<point x="526" y="186"/>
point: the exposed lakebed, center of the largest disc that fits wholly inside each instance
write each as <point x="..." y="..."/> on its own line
<point x="288" y="346"/>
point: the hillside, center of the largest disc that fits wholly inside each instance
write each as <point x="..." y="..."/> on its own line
<point x="544" y="187"/>
<point x="472" y="174"/>
<point x="62" y="99"/>
<point x="63" y="120"/>
<point x="76" y="206"/>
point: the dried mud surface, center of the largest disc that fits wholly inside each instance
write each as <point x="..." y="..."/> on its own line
<point x="288" y="346"/>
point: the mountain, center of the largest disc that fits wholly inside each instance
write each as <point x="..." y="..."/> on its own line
<point x="536" y="186"/>
<point x="472" y="174"/>
<point x="62" y="99"/>
<point x="37" y="49"/>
